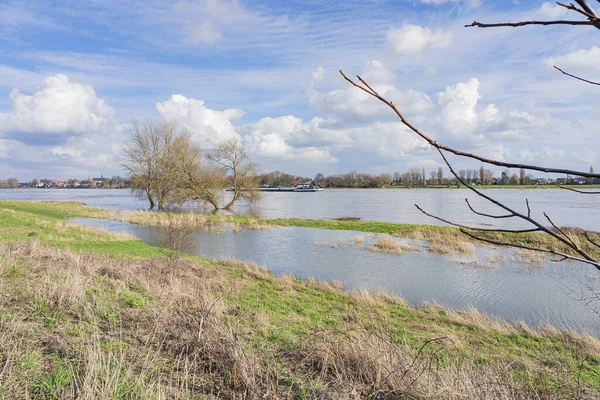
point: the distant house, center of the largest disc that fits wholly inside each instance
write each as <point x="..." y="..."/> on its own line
<point x="99" y="181"/>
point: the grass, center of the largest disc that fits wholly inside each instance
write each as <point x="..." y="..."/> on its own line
<point x="388" y="245"/>
<point x="439" y="239"/>
<point x="87" y="314"/>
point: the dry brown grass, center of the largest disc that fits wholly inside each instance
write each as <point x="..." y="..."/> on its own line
<point x="388" y="245"/>
<point x="358" y="240"/>
<point x="255" y="225"/>
<point x="178" y="220"/>
<point x="157" y="329"/>
<point x="444" y="242"/>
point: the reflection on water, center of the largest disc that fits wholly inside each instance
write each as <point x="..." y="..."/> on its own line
<point x="392" y="205"/>
<point x="536" y="295"/>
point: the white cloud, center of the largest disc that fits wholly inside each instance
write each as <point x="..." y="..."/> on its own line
<point x="59" y="107"/>
<point x="552" y="10"/>
<point x="288" y="138"/>
<point x="413" y="39"/>
<point x="458" y="104"/>
<point x="580" y="60"/>
<point x="207" y="126"/>
<point x="353" y="105"/>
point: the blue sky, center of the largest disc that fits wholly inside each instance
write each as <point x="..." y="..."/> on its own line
<point x="73" y="74"/>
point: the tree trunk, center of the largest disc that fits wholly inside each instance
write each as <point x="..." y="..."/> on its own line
<point x="236" y="194"/>
<point x="150" y="200"/>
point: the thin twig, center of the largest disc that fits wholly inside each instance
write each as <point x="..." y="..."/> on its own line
<point x="576" y="190"/>
<point x="588" y="14"/>
<point x="487" y="215"/>
<point x="587" y="236"/>
<point x="577" y="77"/>
<point x="573" y="244"/>
<point x="478" y="229"/>
<point x="520" y="246"/>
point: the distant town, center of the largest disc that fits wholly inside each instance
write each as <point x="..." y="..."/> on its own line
<point x="414" y="177"/>
<point x="116" y="182"/>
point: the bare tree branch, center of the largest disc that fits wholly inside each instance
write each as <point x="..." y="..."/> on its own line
<point x="587" y="236"/>
<point x="573" y="244"/>
<point x="487" y="215"/>
<point x="523" y="23"/>
<point x="588" y="10"/>
<point x="577" y="77"/>
<point x="585" y="10"/>
<point x="478" y="229"/>
<point x="371" y="92"/>
<point x="520" y="246"/>
<point x="581" y="252"/>
<point x="576" y="190"/>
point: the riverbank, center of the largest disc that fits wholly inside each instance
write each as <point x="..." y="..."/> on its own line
<point x="90" y="314"/>
<point x="440" y="239"/>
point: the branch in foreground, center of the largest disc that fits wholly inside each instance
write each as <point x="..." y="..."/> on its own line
<point x="478" y="229"/>
<point x="520" y="246"/>
<point x="577" y="77"/>
<point x="367" y="89"/>
<point x="524" y="23"/>
<point x="487" y="215"/>
<point x="527" y="218"/>
<point x="576" y="190"/>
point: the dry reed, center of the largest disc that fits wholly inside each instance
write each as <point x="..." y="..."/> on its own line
<point x="188" y="339"/>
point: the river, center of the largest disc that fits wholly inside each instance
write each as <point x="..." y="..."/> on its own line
<point x="392" y="205"/>
<point x="540" y="295"/>
<point x="492" y="281"/>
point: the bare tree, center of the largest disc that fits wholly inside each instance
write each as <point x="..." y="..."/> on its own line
<point x="440" y="175"/>
<point x="150" y="159"/>
<point x="566" y="247"/>
<point x="470" y="175"/>
<point x="234" y="160"/>
<point x="198" y="179"/>
<point x="482" y="175"/>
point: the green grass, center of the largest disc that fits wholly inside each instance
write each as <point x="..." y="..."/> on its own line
<point x="140" y="315"/>
<point x="46" y="223"/>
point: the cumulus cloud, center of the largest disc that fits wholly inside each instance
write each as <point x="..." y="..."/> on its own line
<point x="206" y="125"/>
<point x="60" y="108"/>
<point x="353" y="105"/>
<point x="580" y="60"/>
<point x="413" y="39"/>
<point x="289" y="138"/>
<point x="459" y="104"/>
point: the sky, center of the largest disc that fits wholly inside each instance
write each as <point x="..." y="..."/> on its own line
<point x="75" y="74"/>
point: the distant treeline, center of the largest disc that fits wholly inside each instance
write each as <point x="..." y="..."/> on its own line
<point x="413" y="177"/>
<point x="417" y="177"/>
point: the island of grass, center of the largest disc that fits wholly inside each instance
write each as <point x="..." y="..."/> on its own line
<point x="89" y="314"/>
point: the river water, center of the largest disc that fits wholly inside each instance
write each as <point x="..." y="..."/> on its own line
<point x="512" y="290"/>
<point x="492" y="281"/>
<point x="392" y="205"/>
